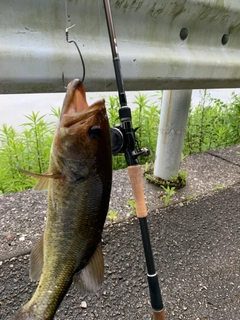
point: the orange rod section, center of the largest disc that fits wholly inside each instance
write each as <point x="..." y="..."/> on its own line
<point x="135" y="175"/>
<point x="159" y="315"/>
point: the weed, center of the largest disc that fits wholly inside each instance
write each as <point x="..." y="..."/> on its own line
<point x="191" y="197"/>
<point x="212" y="124"/>
<point x="112" y="216"/>
<point x="178" y="181"/>
<point x="37" y="133"/>
<point x="146" y="118"/>
<point x="219" y="187"/>
<point x="169" y="192"/>
<point x="56" y="112"/>
<point x="132" y="204"/>
<point x="29" y="150"/>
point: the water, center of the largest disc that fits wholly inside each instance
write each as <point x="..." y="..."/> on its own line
<point x="14" y="107"/>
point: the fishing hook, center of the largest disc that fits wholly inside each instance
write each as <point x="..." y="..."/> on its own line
<point x="81" y="57"/>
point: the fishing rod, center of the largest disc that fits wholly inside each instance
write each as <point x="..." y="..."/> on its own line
<point x="124" y="141"/>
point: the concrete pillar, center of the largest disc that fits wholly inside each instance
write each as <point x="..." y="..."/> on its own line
<point x="173" y="122"/>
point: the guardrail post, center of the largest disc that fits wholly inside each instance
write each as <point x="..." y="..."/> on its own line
<point x="173" y="122"/>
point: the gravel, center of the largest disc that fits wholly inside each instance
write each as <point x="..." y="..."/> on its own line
<point x="196" y="246"/>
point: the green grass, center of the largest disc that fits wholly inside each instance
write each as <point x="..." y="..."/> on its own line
<point x="145" y="117"/>
<point x="28" y="149"/>
<point x="212" y="124"/>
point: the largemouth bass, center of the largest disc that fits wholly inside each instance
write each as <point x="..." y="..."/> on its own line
<point x="79" y="184"/>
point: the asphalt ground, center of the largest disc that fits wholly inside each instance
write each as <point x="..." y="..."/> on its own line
<point x="195" y="241"/>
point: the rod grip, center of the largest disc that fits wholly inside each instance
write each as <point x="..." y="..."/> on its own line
<point x="135" y="176"/>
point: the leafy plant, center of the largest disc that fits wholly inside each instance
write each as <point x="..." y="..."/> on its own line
<point x="212" y="124"/>
<point x="112" y="216"/>
<point x="38" y="134"/>
<point x="178" y="181"/>
<point x="191" y="197"/>
<point x="56" y="112"/>
<point x="219" y="187"/>
<point x="28" y="150"/>
<point x="132" y="204"/>
<point x="169" y="192"/>
<point x="146" y="118"/>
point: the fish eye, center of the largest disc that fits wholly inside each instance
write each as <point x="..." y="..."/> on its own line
<point x="94" y="132"/>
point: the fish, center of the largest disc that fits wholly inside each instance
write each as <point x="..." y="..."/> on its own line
<point x="79" y="182"/>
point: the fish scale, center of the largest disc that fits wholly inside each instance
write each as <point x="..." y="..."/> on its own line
<point x="79" y="185"/>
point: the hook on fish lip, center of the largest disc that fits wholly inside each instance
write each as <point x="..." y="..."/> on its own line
<point x="80" y="54"/>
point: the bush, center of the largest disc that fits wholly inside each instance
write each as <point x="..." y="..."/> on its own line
<point x="212" y="124"/>
<point x="28" y="150"/>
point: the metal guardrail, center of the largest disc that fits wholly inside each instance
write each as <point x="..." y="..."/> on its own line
<point x="163" y="44"/>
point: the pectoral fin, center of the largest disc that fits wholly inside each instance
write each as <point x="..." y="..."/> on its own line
<point x="39" y="175"/>
<point x="90" y="278"/>
<point x="42" y="183"/>
<point x="36" y="260"/>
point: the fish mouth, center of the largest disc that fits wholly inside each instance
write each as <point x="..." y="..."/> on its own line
<point x="75" y="108"/>
<point x="75" y="98"/>
<point x="86" y="116"/>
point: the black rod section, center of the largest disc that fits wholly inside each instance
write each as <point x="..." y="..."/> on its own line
<point x="124" y="112"/>
<point x="154" y="289"/>
<point x="116" y="60"/>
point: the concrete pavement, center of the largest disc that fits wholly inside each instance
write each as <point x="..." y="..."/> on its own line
<point x="195" y="240"/>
